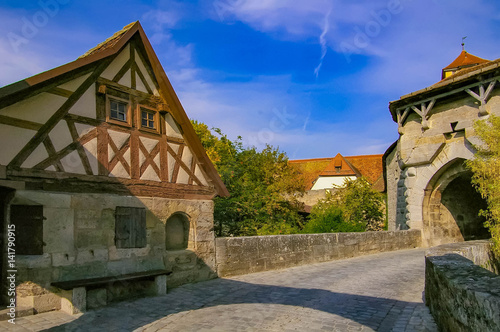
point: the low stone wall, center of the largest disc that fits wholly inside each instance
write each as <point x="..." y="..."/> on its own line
<point x="241" y="255"/>
<point x="461" y="293"/>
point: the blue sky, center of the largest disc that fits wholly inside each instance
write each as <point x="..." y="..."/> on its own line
<point x="313" y="77"/>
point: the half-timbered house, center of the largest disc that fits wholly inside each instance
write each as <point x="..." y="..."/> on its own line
<point x="105" y="189"/>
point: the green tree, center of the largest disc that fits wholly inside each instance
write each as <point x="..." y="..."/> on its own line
<point x="327" y="216"/>
<point x="362" y="204"/>
<point x="262" y="187"/>
<point x="355" y="207"/>
<point x="485" y="167"/>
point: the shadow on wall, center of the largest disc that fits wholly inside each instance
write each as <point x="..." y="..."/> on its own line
<point x="88" y="227"/>
<point x="212" y="297"/>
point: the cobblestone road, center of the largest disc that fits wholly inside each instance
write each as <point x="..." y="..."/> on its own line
<point x="381" y="292"/>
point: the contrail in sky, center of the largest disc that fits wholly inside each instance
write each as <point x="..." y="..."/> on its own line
<point x="322" y="41"/>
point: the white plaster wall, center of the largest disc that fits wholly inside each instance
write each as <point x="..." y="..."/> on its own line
<point x="74" y="84"/>
<point x="117" y="63"/>
<point x="86" y="105"/>
<point x="326" y="182"/>
<point x="171" y="128"/>
<point x="13" y="140"/>
<point x="37" y="109"/>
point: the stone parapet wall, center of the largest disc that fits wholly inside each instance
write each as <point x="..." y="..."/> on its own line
<point x="241" y="255"/>
<point x="461" y="293"/>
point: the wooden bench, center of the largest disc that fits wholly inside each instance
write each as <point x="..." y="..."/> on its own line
<point x="75" y="301"/>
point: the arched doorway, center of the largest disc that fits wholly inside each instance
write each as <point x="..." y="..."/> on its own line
<point x="451" y="207"/>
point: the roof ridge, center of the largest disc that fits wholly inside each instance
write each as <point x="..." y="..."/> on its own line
<point x="114" y="38"/>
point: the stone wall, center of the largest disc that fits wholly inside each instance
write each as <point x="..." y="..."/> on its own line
<point x="243" y="255"/>
<point x="461" y="294"/>
<point x="79" y="243"/>
<point x="429" y="154"/>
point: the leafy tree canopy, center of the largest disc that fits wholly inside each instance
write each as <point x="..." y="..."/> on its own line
<point x="262" y="186"/>
<point x="355" y="207"/>
<point x="486" y="173"/>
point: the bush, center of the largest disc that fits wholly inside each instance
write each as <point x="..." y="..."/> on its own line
<point x="486" y="174"/>
<point x="356" y="207"/>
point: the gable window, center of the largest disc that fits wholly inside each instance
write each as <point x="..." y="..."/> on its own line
<point x="28" y="221"/>
<point x="130" y="227"/>
<point x="148" y="118"/>
<point x="118" y="111"/>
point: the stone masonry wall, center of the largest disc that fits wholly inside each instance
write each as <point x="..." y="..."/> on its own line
<point x="78" y="235"/>
<point x="461" y="294"/>
<point x="243" y="255"/>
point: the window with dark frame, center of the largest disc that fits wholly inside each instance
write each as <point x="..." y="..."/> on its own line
<point x="118" y="110"/>
<point x="147" y="118"/>
<point x="130" y="227"/>
<point x="28" y="221"/>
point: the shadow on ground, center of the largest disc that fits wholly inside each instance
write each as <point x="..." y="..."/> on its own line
<point x="165" y="312"/>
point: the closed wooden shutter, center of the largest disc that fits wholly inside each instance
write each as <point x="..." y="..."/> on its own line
<point x="28" y="220"/>
<point x="130" y="228"/>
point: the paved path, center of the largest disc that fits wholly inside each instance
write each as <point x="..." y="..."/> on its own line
<point x="380" y="292"/>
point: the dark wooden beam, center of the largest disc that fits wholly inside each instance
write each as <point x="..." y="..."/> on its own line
<point x="44" y="131"/>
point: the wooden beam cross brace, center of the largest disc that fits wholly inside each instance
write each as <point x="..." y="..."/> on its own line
<point x="425" y="112"/>
<point x="401" y="118"/>
<point x="149" y="159"/>
<point x="482" y="97"/>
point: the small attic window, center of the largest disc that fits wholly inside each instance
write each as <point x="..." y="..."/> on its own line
<point x="118" y="111"/>
<point x="148" y="118"/>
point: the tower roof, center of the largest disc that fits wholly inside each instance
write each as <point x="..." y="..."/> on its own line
<point x="464" y="60"/>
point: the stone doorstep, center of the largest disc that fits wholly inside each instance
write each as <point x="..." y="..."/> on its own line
<point x="20" y="312"/>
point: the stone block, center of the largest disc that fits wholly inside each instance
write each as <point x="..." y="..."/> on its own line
<point x="46" y="302"/>
<point x="34" y="261"/>
<point x="97" y="298"/>
<point x="87" y="218"/>
<point x="63" y="259"/>
<point x="91" y="255"/>
<point x="92" y="239"/>
<point x="161" y="285"/>
<point x="59" y="224"/>
<point x="48" y="200"/>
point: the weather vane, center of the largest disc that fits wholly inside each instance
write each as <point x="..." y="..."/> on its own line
<point x="463" y="43"/>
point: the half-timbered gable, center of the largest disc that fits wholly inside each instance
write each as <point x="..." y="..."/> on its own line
<point x="110" y="115"/>
<point x="104" y="153"/>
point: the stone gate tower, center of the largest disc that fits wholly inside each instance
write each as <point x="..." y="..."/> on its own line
<point x="428" y="186"/>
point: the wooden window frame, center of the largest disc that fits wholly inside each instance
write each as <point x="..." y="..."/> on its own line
<point x="109" y="119"/>
<point x="156" y="119"/>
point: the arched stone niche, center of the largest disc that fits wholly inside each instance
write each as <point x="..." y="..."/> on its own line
<point x="177" y="231"/>
<point x="451" y="206"/>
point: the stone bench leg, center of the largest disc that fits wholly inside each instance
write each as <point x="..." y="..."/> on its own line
<point x="161" y="284"/>
<point x="75" y="301"/>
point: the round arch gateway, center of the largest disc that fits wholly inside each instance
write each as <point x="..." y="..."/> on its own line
<point x="451" y="206"/>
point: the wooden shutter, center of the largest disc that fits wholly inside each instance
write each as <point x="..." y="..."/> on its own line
<point x="130" y="228"/>
<point x="28" y="220"/>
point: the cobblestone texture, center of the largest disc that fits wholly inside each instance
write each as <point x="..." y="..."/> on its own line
<point x="381" y="292"/>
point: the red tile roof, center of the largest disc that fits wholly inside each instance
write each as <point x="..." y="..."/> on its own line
<point x="465" y="59"/>
<point x="369" y="166"/>
<point x="458" y="78"/>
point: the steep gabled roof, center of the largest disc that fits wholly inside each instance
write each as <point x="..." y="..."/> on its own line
<point x="465" y="59"/>
<point x="44" y="81"/>
<point x="339" y="166"/>
<point x="369" y="166"/>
